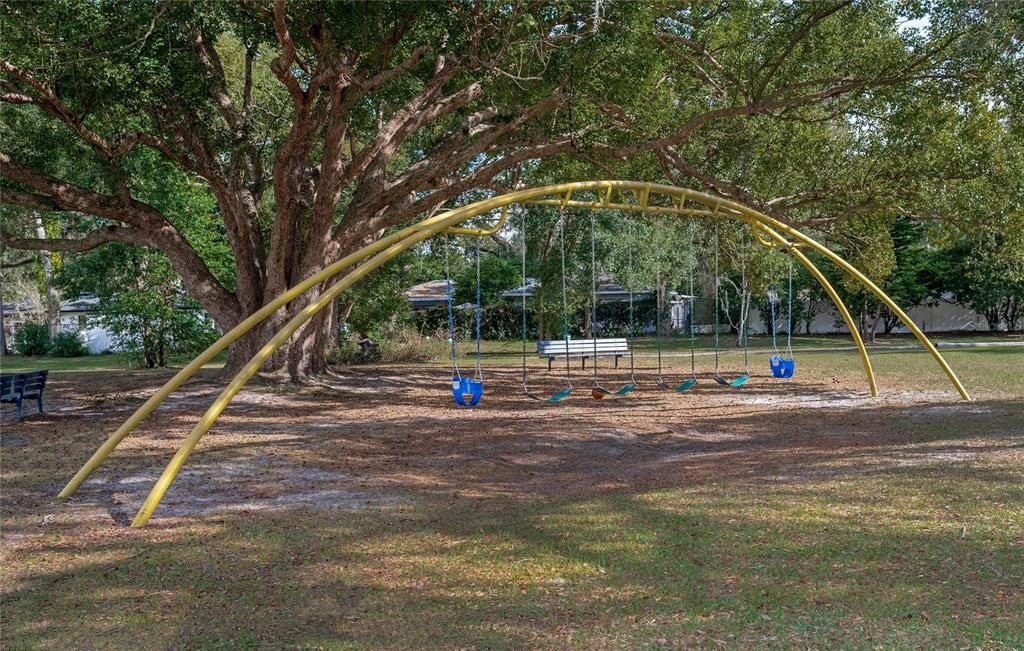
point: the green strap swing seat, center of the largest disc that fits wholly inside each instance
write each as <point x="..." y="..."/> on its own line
<point x="597" y="390"/>
<point x="742" y="379"/>
<point x="567" y="391"/>
<point x="660" y="380"/>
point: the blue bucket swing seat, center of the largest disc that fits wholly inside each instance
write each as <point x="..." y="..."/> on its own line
<point x="782" y="366"/>
<point x="466" y="391"/>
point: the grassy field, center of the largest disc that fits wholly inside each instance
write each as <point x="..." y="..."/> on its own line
<point x="896" y="524"/>
<point x="107" y="362"/>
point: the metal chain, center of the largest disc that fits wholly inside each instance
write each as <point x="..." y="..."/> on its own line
<point x="717" y="298"/>
<point x="565" y="293"/>
<point x="693" y="272"/>
<point x="593" y="290"/>
<point x="451" y="313"/>
<point x="789" y="326"/>
<point x="523" y="248"/>
<point x="629" y="277"/>
<point x="479" y="371"/>
<point x="657" y="290"/>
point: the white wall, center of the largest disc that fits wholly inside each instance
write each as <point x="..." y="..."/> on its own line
<point x="98" y="340"/>
<point x="944" y="317"/>
<point x="95" y="337"/>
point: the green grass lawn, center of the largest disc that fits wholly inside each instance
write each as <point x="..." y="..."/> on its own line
<point x="106" y="362"/>
<point x="925" y="557"/>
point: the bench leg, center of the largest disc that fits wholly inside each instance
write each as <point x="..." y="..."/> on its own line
<point x="39" y="401"/>
<point x="617" y="361"/>
<point x="583" y="362"/>
<point x="549" y="364"/>
<point x="21" y="414"/>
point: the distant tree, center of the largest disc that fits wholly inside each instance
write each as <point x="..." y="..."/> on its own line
<point x="908" y="283"/>
<point x="141" y="301"/>
<point x="866" y="242"/>
<point x="985" y="274"/>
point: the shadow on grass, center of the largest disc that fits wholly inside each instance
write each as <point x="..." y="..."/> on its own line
<point x="751" y="567"/>
<point x="778" y="516"/>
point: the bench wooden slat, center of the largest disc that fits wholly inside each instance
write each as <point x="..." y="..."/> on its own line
<point x="16" y="387"/>
<point x="583" y="348"/>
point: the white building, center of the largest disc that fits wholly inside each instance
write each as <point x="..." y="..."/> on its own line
<point x="944" y="316"/>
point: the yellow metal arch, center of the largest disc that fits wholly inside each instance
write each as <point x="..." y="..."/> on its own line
<point x="632" y="196"/>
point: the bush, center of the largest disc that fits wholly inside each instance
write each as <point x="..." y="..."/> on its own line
<point x="67" y="344"/>
<point x="408" y="346"/>
<point x="402" y="345"/>
<point x="32" y="339"/>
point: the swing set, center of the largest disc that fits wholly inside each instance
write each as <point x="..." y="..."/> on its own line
<point x="782" y="366"/>
<point x="660" y="380"/>
<point x="564" y="393"/>
<point x="466" y="391"/>
<point x="632" y="196"/>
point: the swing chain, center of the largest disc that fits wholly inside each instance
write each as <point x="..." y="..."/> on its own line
<point x="693" y="272"/>
<point x="789" y="313"/>
<point x="657" y="293"/>
<point x="525" y="283"/>
<point x="565" y="292"/>
<point x="629" y="277"/>
<point x="479" y="309"/>
<point x="451" y="314"/>
<point x="593" y="292"/>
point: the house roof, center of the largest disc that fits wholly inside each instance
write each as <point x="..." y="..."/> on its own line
<point x="607" y="292"/>
<point x="84" y="303"/>
<point x="433" y="293"/>
<point x="429" y="294"/>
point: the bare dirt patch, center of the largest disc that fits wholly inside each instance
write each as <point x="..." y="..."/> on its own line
<point x="376" y="437"/>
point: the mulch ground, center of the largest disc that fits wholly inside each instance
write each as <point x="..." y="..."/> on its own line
<point x="375" y="436"/>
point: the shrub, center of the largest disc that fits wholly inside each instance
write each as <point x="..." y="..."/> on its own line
<point x="32" y="339"/>
<point x="410" y="347"/>
<point x="402" y="345"/>
<point x="346" y="352"/>
<point x="67" y="344"/>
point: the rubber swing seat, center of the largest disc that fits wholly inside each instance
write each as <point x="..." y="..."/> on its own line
<point x="782" y="367"/>
<point x="627" y="388"/>
<point x="735" y="384"/>
<point x="466" y="391"/>
<point x="564" y="393"/>
<point x="687" y="384"/>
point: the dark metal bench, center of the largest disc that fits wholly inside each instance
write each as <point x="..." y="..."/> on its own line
<point x="15" y="388"/>
<point x="582" y="348"/>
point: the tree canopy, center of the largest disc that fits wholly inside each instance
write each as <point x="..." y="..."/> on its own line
<point x="310" y="128"/>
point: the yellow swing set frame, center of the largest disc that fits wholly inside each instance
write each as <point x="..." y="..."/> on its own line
<point x="632" y="196"/>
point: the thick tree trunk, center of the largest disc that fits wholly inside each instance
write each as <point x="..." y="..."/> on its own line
<point x="304" y="355"/>
<point x="874" y="323"/>
<point x="52" y="297"/>
<point x="3" y="328"/>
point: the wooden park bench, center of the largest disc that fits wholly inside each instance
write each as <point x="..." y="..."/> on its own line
<point x="17" y="387"/>
<point x="582" y="348"/>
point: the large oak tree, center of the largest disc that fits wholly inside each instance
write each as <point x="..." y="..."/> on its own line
<point x="317" y="126"/>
